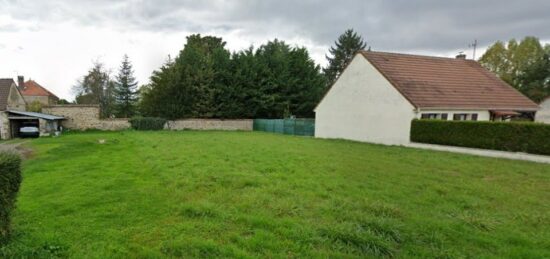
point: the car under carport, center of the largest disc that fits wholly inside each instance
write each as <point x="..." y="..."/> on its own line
<point x="47" y="123"/>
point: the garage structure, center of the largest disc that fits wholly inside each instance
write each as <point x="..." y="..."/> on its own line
<point x="46" y="123"/>
<point x="13" y="114"/>
<point x="378" y="95"/>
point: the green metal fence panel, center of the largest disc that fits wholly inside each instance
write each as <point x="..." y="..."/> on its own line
<point x="300" y="127"/>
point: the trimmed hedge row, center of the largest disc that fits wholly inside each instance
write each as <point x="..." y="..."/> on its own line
<point x="10" y="180"/>
<point x="525" y="137"/>
<point x="147" y="123"/>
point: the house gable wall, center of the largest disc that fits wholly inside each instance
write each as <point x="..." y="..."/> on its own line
<point x="16" y="100"/>
<point x="543" y="115"/>
<point x="363" y="105"/>
<point x="44" y="100"/>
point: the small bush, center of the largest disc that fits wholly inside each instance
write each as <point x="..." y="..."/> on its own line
<point x="10" y="180"/>
<point x="525" y="137"/>
<point x="147" y="123"/>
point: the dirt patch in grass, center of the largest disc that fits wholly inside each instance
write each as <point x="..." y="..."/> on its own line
<point x="17" y="147"/>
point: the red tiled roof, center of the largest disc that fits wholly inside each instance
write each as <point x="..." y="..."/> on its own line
<point x="434" y="82"/>
<point x="32" y="88"/>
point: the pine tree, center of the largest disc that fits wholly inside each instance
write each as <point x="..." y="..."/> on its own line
<point x="346" y="46"/>
<point x="125" y="90"/>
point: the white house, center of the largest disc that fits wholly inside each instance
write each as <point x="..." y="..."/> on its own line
<point x="543" y="115"/>
<point x="378" y="95"/>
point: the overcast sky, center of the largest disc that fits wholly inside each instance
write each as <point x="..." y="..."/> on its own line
<point x="55" y="42"/>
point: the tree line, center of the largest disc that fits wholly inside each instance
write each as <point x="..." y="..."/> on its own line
<point x="274" y="80"/>
<point x="206" y="80"/>
<point x="525" y="65"/>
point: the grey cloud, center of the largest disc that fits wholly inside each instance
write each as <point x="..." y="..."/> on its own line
<point x="431" y="25"/>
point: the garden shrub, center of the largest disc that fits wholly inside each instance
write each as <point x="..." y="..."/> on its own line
<point x="10" y="180"/>
<point x="525" y="137"/>
<point x="147" y="123"/>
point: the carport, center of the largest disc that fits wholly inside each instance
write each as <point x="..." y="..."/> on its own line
<point x="46" y="123"/>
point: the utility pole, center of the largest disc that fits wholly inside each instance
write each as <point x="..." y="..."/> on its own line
<point x="473" y="45"/>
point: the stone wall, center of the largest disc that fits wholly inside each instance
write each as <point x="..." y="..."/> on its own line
<point x="209" y="124"/>
<point x="113" y="124"/>
<point x="5" y="131"/>
<point x="82" y="117"/>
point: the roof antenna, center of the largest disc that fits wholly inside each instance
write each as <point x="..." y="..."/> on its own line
<point x="473" y="45"/>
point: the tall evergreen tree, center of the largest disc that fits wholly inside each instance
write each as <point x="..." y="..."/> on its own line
<point x="125" y="90"/>
<point x="206" y="81"/>
<point x="188" y="86"/>
<point x="341" y="54"/>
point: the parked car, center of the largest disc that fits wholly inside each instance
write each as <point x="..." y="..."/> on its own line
<point x="29" y="132"/>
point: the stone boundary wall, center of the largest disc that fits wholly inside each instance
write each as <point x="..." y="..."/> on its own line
<point x="209" y="124"/>
<point x="82" y="117"/>
<point x="79" y="117"/>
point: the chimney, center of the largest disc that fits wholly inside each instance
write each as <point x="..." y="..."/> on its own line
<point x="461" y="56"/>
<point x="21" y="82"/>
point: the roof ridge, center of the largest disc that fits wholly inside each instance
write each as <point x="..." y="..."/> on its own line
<point x="366" y="52"/>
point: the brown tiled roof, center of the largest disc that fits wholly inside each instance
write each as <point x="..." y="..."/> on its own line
<point x="5" y="84"/>
<point x="434" y="82"/>
<point x="32" y="88"/>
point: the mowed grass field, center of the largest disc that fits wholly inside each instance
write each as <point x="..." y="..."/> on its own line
<point x="250" y="194"/>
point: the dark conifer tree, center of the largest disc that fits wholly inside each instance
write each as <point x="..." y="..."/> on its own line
<point x="125" y="90"/>
<point x="341" y="54"/>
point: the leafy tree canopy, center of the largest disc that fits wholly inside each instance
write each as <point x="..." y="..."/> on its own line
<point x="525" y="65"/>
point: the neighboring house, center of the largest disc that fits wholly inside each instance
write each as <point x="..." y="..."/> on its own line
<point x="543" y="115"/>
<point x="10" y="99"/>
<point x="13" y="115"/>
<point x="379" y="94"/>
<point x="32" y="91"/>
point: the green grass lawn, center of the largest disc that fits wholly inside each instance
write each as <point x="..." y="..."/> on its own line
<point x="250" y="194"/>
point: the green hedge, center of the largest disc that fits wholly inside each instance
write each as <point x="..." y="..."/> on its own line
<point x="525" y="137"/>
<point x="10" y="180"/>
<point x="147" y="123"/>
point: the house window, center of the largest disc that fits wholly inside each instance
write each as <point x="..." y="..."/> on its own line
<point x="428" y="116"/>
<point x="465" y="116"/>
<point x="434" y="116"/>
<point x="460" y="116"/>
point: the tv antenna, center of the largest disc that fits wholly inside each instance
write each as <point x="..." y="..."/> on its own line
<point x="474" y="46"/>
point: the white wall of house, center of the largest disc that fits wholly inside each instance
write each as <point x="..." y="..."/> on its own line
<point x="543" y="115"/>
<point x="362" y="105"/>
<point x="482" y="115"/>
